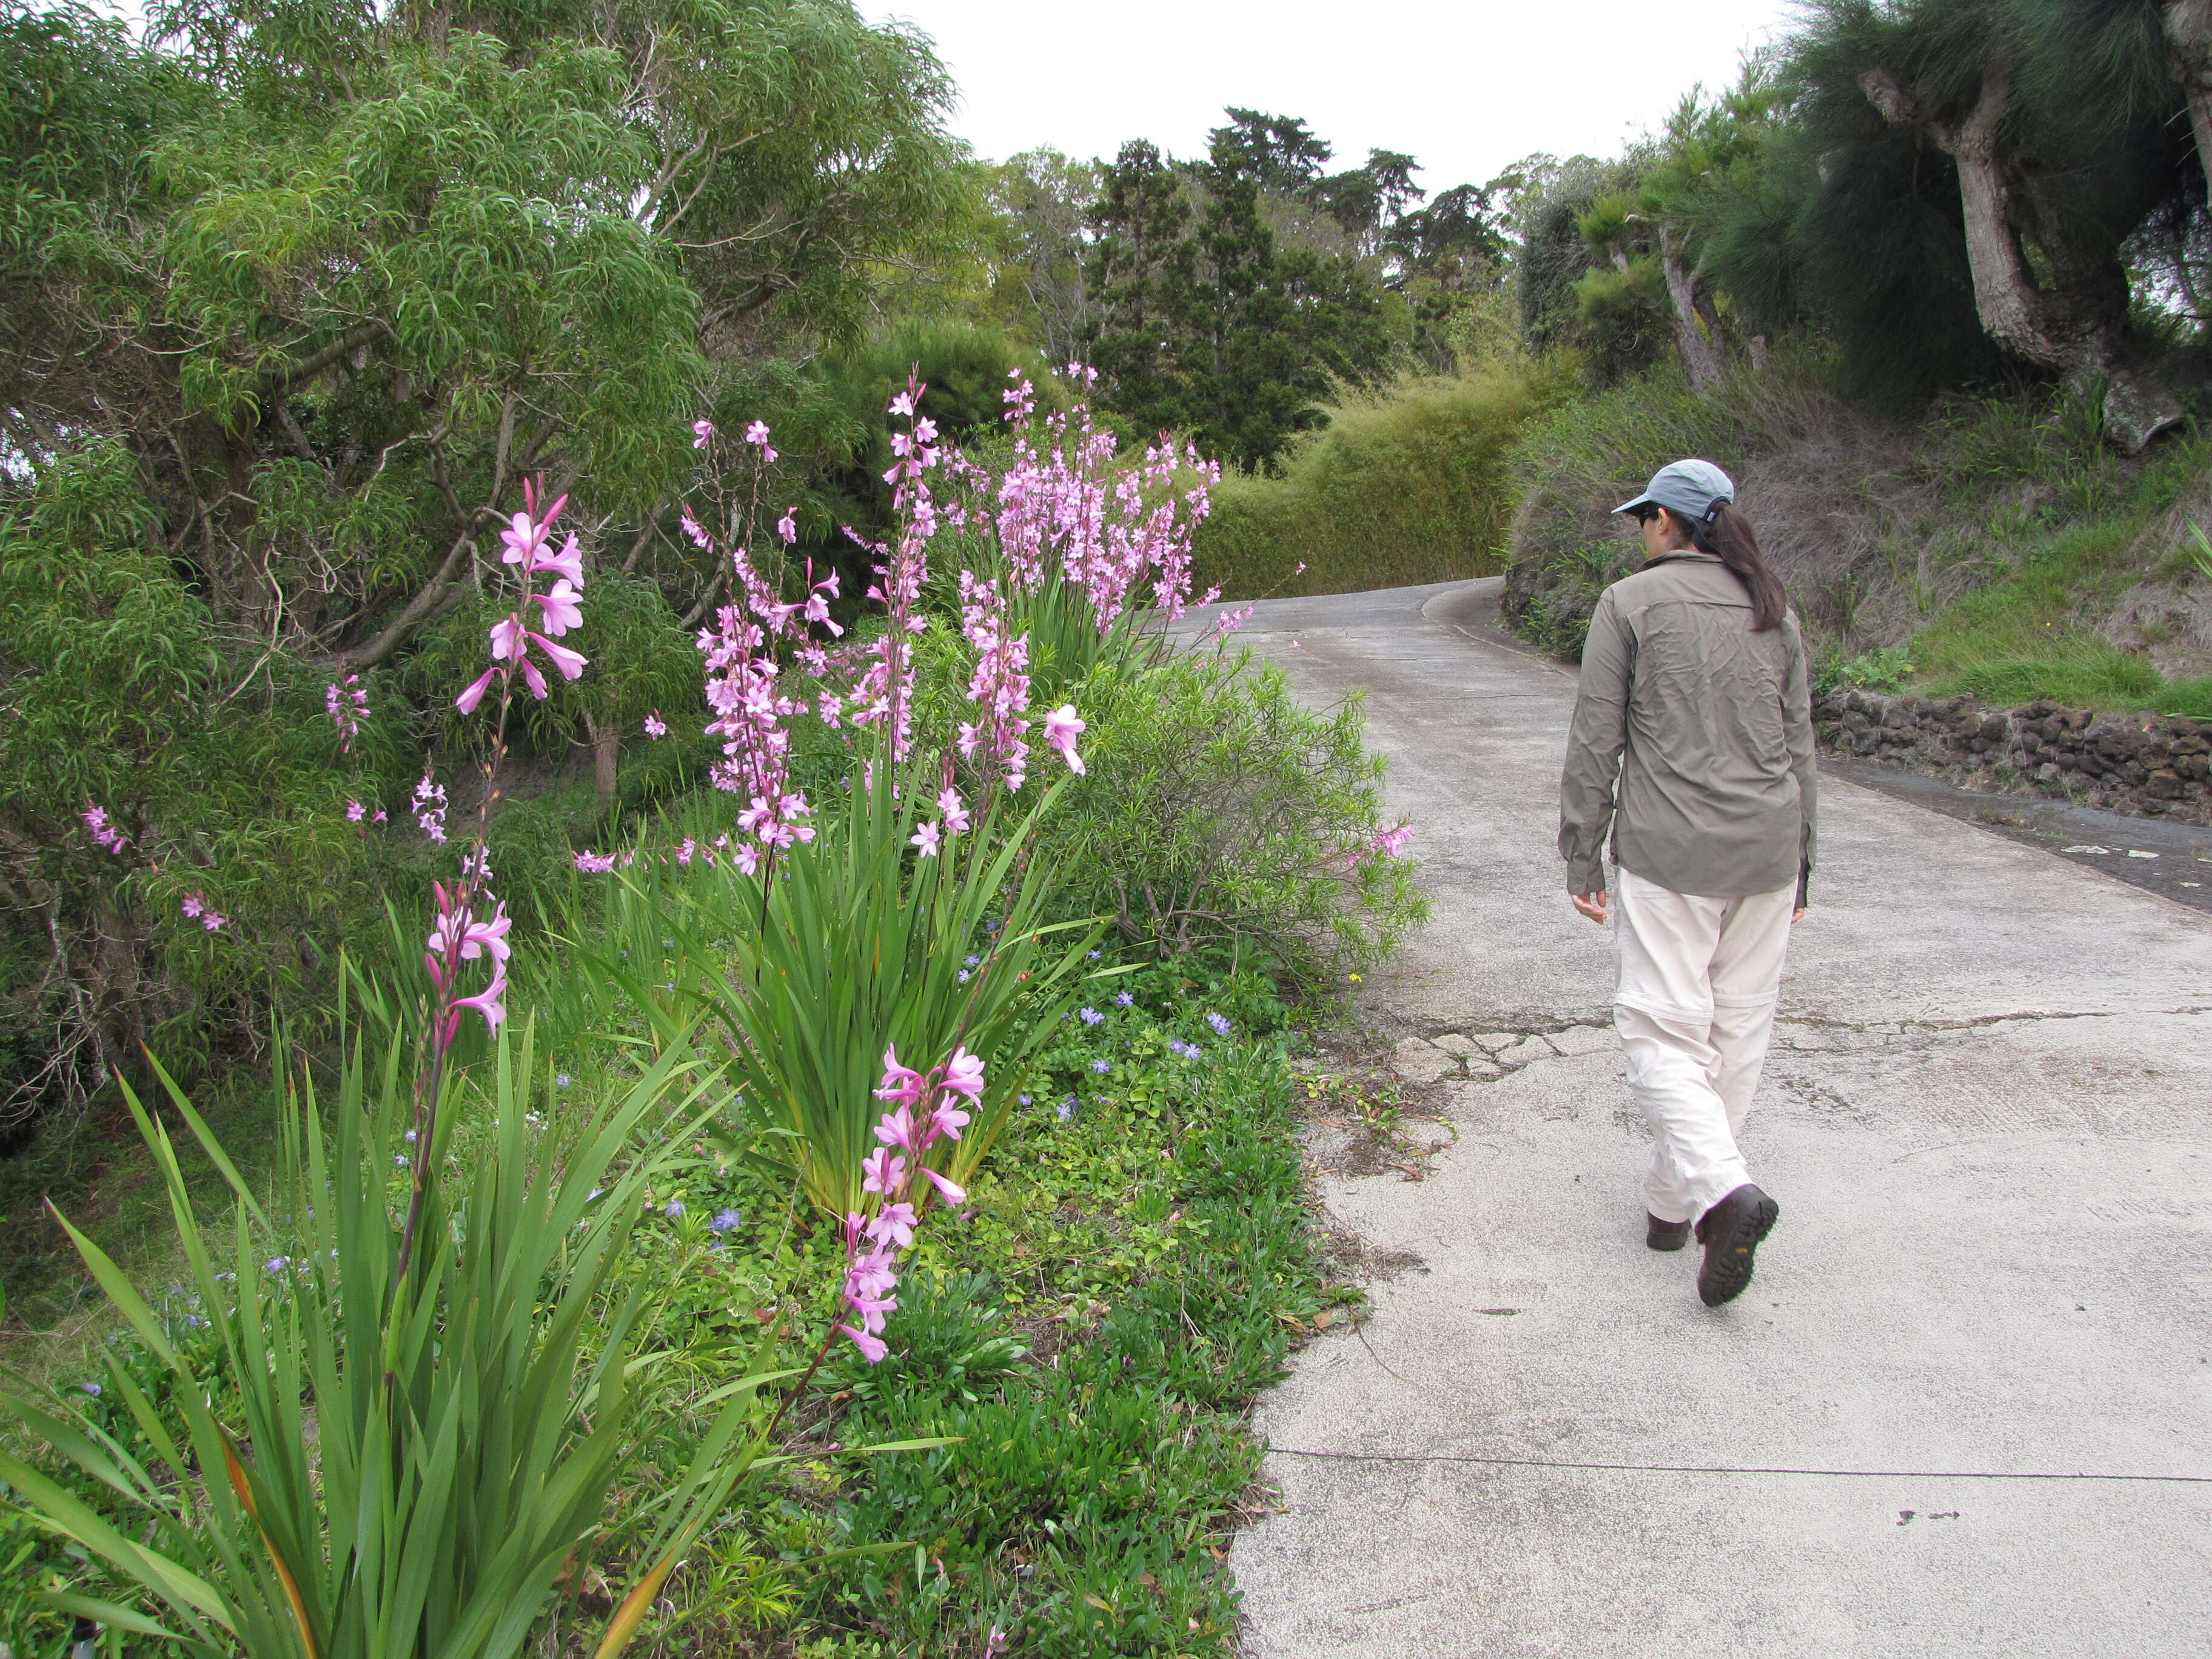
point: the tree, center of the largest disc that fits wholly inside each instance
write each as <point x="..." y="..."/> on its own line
<point x="307" y="288"/>
<point x="2059" y="155"/>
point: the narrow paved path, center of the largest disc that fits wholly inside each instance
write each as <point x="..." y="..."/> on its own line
<point x="1988" y="1118"/>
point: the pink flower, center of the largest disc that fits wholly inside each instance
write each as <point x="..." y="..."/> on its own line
<point x="654" y="726"/>
<point x="193" y="905"/>
<point x="346" y="709"/>
<point x="953" y="1191"/>
<point x="486" y="1001"/>
<point x="926" y="838"/>
<point x="595" y="864"/>
<point x="902" y="404"/>
<point x="747" y="858"/>
<point x="103" y="833"/>
<point x="467" y="702"/>
<point x="568" y="564"/>
<point x="893" y="1225"/>
<point x="787" y="525"/>
<point x="900" y="1082"/>
<point x="212" y="921"/>
<point x="964" y="1075"/>
<point x="955" y="814"/>
<point x="948" y="1120"/>
<point x="482" y="936"/>
<point x="561" y="608"/>
<point x="1062" y="728"/>
<point x="701" y="431"/>
<point x="757" y="434"/>
<point x="355" y="812"/>
<point x="882" y="1171"/>
<point x="872" y="1348"/>
<point x="897" y="1128"/>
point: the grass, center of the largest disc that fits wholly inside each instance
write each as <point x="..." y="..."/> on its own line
<point x="1407" y="485"/>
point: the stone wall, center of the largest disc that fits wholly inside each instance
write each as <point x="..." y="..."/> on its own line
<point x="2149" y="764"/>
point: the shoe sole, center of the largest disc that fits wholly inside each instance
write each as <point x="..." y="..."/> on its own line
<point x="1728" y="1261"/>
<point x="1679" y="1240"/>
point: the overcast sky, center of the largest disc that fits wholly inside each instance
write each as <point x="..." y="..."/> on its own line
<point x="1464" y="87"/>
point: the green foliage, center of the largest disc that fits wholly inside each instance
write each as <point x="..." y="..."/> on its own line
<point x="1157" y="1238"/>
<point x="848" y="946"/>
<point x="469" y="1411"/>
<point x="1412" y="484"/>
<point x="1885" y="670"/>
<point x="124" y="690"/>
<point x="1220" y="813"/>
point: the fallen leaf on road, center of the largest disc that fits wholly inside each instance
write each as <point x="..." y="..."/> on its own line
<point x="2135" y="854"/>
<point x="2085" y="849"/>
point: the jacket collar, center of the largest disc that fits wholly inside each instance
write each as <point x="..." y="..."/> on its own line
<point x="1680" y="553"/>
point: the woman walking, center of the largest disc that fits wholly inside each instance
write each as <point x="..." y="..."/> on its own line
<point x="1691" y="751"/>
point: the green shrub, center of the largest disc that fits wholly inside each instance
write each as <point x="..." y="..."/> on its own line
<point x="1404" y="486"/>
<point x="1218" y="813"/>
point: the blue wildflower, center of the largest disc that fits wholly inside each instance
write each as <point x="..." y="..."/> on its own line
<point x="1066" y="1109"/>
<point x="1098" y="1066"/>
<point x="90" y="1388"/>
<point x="972" y="960"/>
<point x="724" y="1220"/>
<point x="1126" y="998"/>
<point x="673" y="1208"/>
<point x="561" y="1079"/>
<point x="276" y="1264"/>
<point x="1219" y="1023"/>
<point x="1095" y="955"/>
<point x="1024" y="1099"/>
<point x="1092" y="1017"/>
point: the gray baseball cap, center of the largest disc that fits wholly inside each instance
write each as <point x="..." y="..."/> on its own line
<point x="1691" y="487"/>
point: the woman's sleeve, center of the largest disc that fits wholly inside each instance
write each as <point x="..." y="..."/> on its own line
<point x="1797" y="723"/>
<point x="1594" y="744"/>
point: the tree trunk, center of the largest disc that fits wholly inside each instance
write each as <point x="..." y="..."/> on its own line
<point x="1699" y="357"/>
<point x="2070" y="330"/>
<point x="606" y="759"/>
<point x="2189" y="44"/>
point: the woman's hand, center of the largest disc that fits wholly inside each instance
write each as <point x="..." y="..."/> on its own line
<point x="1591" y="905"/>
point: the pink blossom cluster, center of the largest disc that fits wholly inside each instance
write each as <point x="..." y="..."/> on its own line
<point x="528" y="538"/>
<point x="999" y="686"/>
<point x="430" y="808"/>
<point x="197" y="909"/>
<point x="1068" y="511"/>
<point x="105" y="834"/>
<point x="347" y="707"/>
<point x="742" y="690"/>
<point x="884" y="694"/>
<point x="460" y="936"/>
<point x="1388" y="844"/>
<point x="929" y="1106"/>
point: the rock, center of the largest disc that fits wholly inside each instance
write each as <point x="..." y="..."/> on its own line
<point x="2049" y="772"/>
<point x="1452" y="1042"/>
<point x="1527" y="1048"/>
<point x="2162" y="785"/>
<point x="1491" y="1042"/>
<point x="1584" y="1040"/>
<point x="1419" y="1061"/>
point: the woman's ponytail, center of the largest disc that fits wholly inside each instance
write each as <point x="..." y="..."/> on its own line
<point x="1726" y="534"/>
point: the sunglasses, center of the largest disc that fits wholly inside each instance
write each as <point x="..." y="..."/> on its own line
<point x="1645" y="514"/>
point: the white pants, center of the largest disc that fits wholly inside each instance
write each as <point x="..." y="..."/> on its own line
<point x="1695" y="1006"/>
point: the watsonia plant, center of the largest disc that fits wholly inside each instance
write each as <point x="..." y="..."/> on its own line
<point x="389" y="1461"/>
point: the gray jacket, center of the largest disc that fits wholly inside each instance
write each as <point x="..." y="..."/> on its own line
<point x="1692" y="739"/>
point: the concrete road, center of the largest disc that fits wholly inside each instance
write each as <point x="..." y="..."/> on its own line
<point x="1966" y="1407"/>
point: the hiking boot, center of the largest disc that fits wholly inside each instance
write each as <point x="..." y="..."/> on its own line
<point x="1731" y="1232"/>
<point x="1665" y="1235"/>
